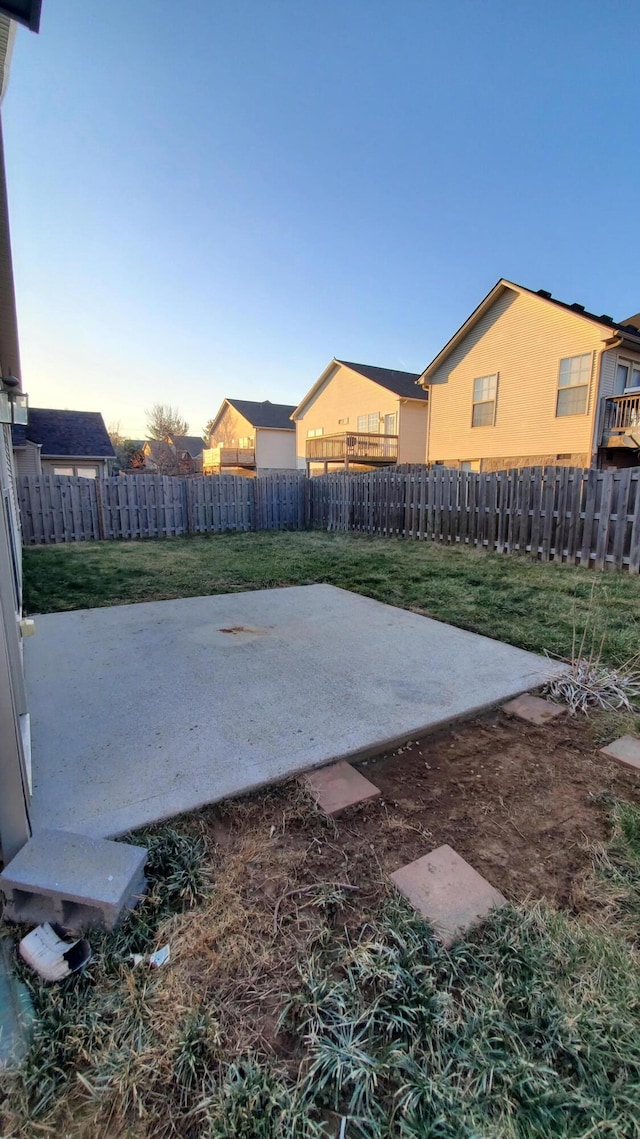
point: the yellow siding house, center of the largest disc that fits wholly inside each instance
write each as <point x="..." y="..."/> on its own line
<point x="251" y="438"/>
<point x="358" y="416"/>
<point x="529" y="380"/>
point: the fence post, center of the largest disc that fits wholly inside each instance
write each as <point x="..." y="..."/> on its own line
<point x="100" y="510"/>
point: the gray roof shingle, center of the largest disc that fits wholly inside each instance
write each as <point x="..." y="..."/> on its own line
<point x="192" y="444"/>
<point x="402" y="383"/>
<point x="265" y="414"/>
<point x="72" y="433"/>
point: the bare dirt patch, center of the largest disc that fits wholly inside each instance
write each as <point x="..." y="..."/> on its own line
<point x="520" y="803"/>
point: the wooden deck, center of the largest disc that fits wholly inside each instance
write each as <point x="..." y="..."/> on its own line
<point x="354" y="446"/>
<point x="621" y="417"/>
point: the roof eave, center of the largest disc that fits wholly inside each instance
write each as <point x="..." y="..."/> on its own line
<point x="223" y="407"/>
<point x="295" y="415"/>
<point x="464" y="329"/>
<point x="623" y="340"/>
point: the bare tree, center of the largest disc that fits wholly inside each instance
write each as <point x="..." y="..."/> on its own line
<point x="115" y="434"/>
<point x="206" y="434"/>
<point x="165" y="421"/>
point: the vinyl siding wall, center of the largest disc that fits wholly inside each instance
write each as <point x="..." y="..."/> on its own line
<point x="412" y="442"/>
<point x="523" y="339"/>
<point x="27" y="460"/>
<point x="231" y="428"/>
<point x="275" y="450"/>
<point x="346" y="395"/>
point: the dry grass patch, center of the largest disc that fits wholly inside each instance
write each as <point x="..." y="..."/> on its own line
<point x="293" y="1005"/>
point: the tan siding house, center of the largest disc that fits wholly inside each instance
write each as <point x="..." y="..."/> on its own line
<point x="359" y="416"/>
<point x="251" y="438"/>
<point x="528" y="380"/>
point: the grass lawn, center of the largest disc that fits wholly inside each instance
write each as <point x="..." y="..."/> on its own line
<point x="536" y="606"/>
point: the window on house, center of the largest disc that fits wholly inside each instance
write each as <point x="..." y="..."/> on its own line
<point x="469" y="464"/>
<point x="246" y="442"/>
<point x="391" y="423"/>
<point x="313" y="431"/>
<point x="343" y="421"/>
<point x="63" y="471"/>
<point x="573" y="385"/>
<point x="87" y="472"/>
<point x="369" y="423"/>
<point x="627" y="376"/>
<point x="485" y="390"/>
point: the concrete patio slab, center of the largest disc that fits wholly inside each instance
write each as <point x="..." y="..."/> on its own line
<point x="626" y="751"/>
<point x="338" y="787"/>
<point x="140" y="712"/>
<point x="449" y="893"/>
<point x="533" y="709"/>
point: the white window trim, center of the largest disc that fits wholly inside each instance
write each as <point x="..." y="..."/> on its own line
<point x="479" y="403"/>
<point x="78" y="469"/>
<point x="368" y="415"/>
<point x="572" y="387"/>
<point x="631" y="364"/>
<point x="313" y="432"/>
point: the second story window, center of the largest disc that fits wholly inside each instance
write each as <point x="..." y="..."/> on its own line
<point x="573" y="385"/>
<point x="313" y="431"/>
<point x="369" y="423"/>
<point x="485" y="391"/>
<point x="627" y="376"/>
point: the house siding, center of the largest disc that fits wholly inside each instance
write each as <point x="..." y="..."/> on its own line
<point x="27" y="460"/>
<point x="345" y="395"/>
<point x="522" y="338"/>
<point x="232" y="427"/>
<point x="412" y="422"/>
<point x="608" y="372"/>
<point x="275" y="450"/>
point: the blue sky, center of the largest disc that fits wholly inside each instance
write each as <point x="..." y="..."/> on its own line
<point x="213" y="198"/>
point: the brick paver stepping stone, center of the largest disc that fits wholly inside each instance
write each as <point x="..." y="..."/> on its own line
<point x="337" y="787"/>
<point x="449" y="893"/>
<point x="626" y="750"/>
<point x="533" y="708"/>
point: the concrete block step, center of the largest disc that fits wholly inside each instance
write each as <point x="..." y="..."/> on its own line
<point x="73" y="880"/>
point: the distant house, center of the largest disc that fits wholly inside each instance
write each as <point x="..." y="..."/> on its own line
<point x="529" y="380"/>
<point x="251" y="438"/>
<point x="180" y="455"/>
<point x="360" y="416"/>
<point x="189" y="450"/>
<point x="62" y="443"/>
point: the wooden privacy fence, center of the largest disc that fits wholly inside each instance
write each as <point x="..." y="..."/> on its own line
<point x="59" y="508"/>
<point x="589" y="518"/>
<point x="584" y="517"/>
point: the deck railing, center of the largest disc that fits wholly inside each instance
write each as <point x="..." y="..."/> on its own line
<point x="360" y="446"/>
<point x="621" y="414"/>
<point x="237" y="457"/>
